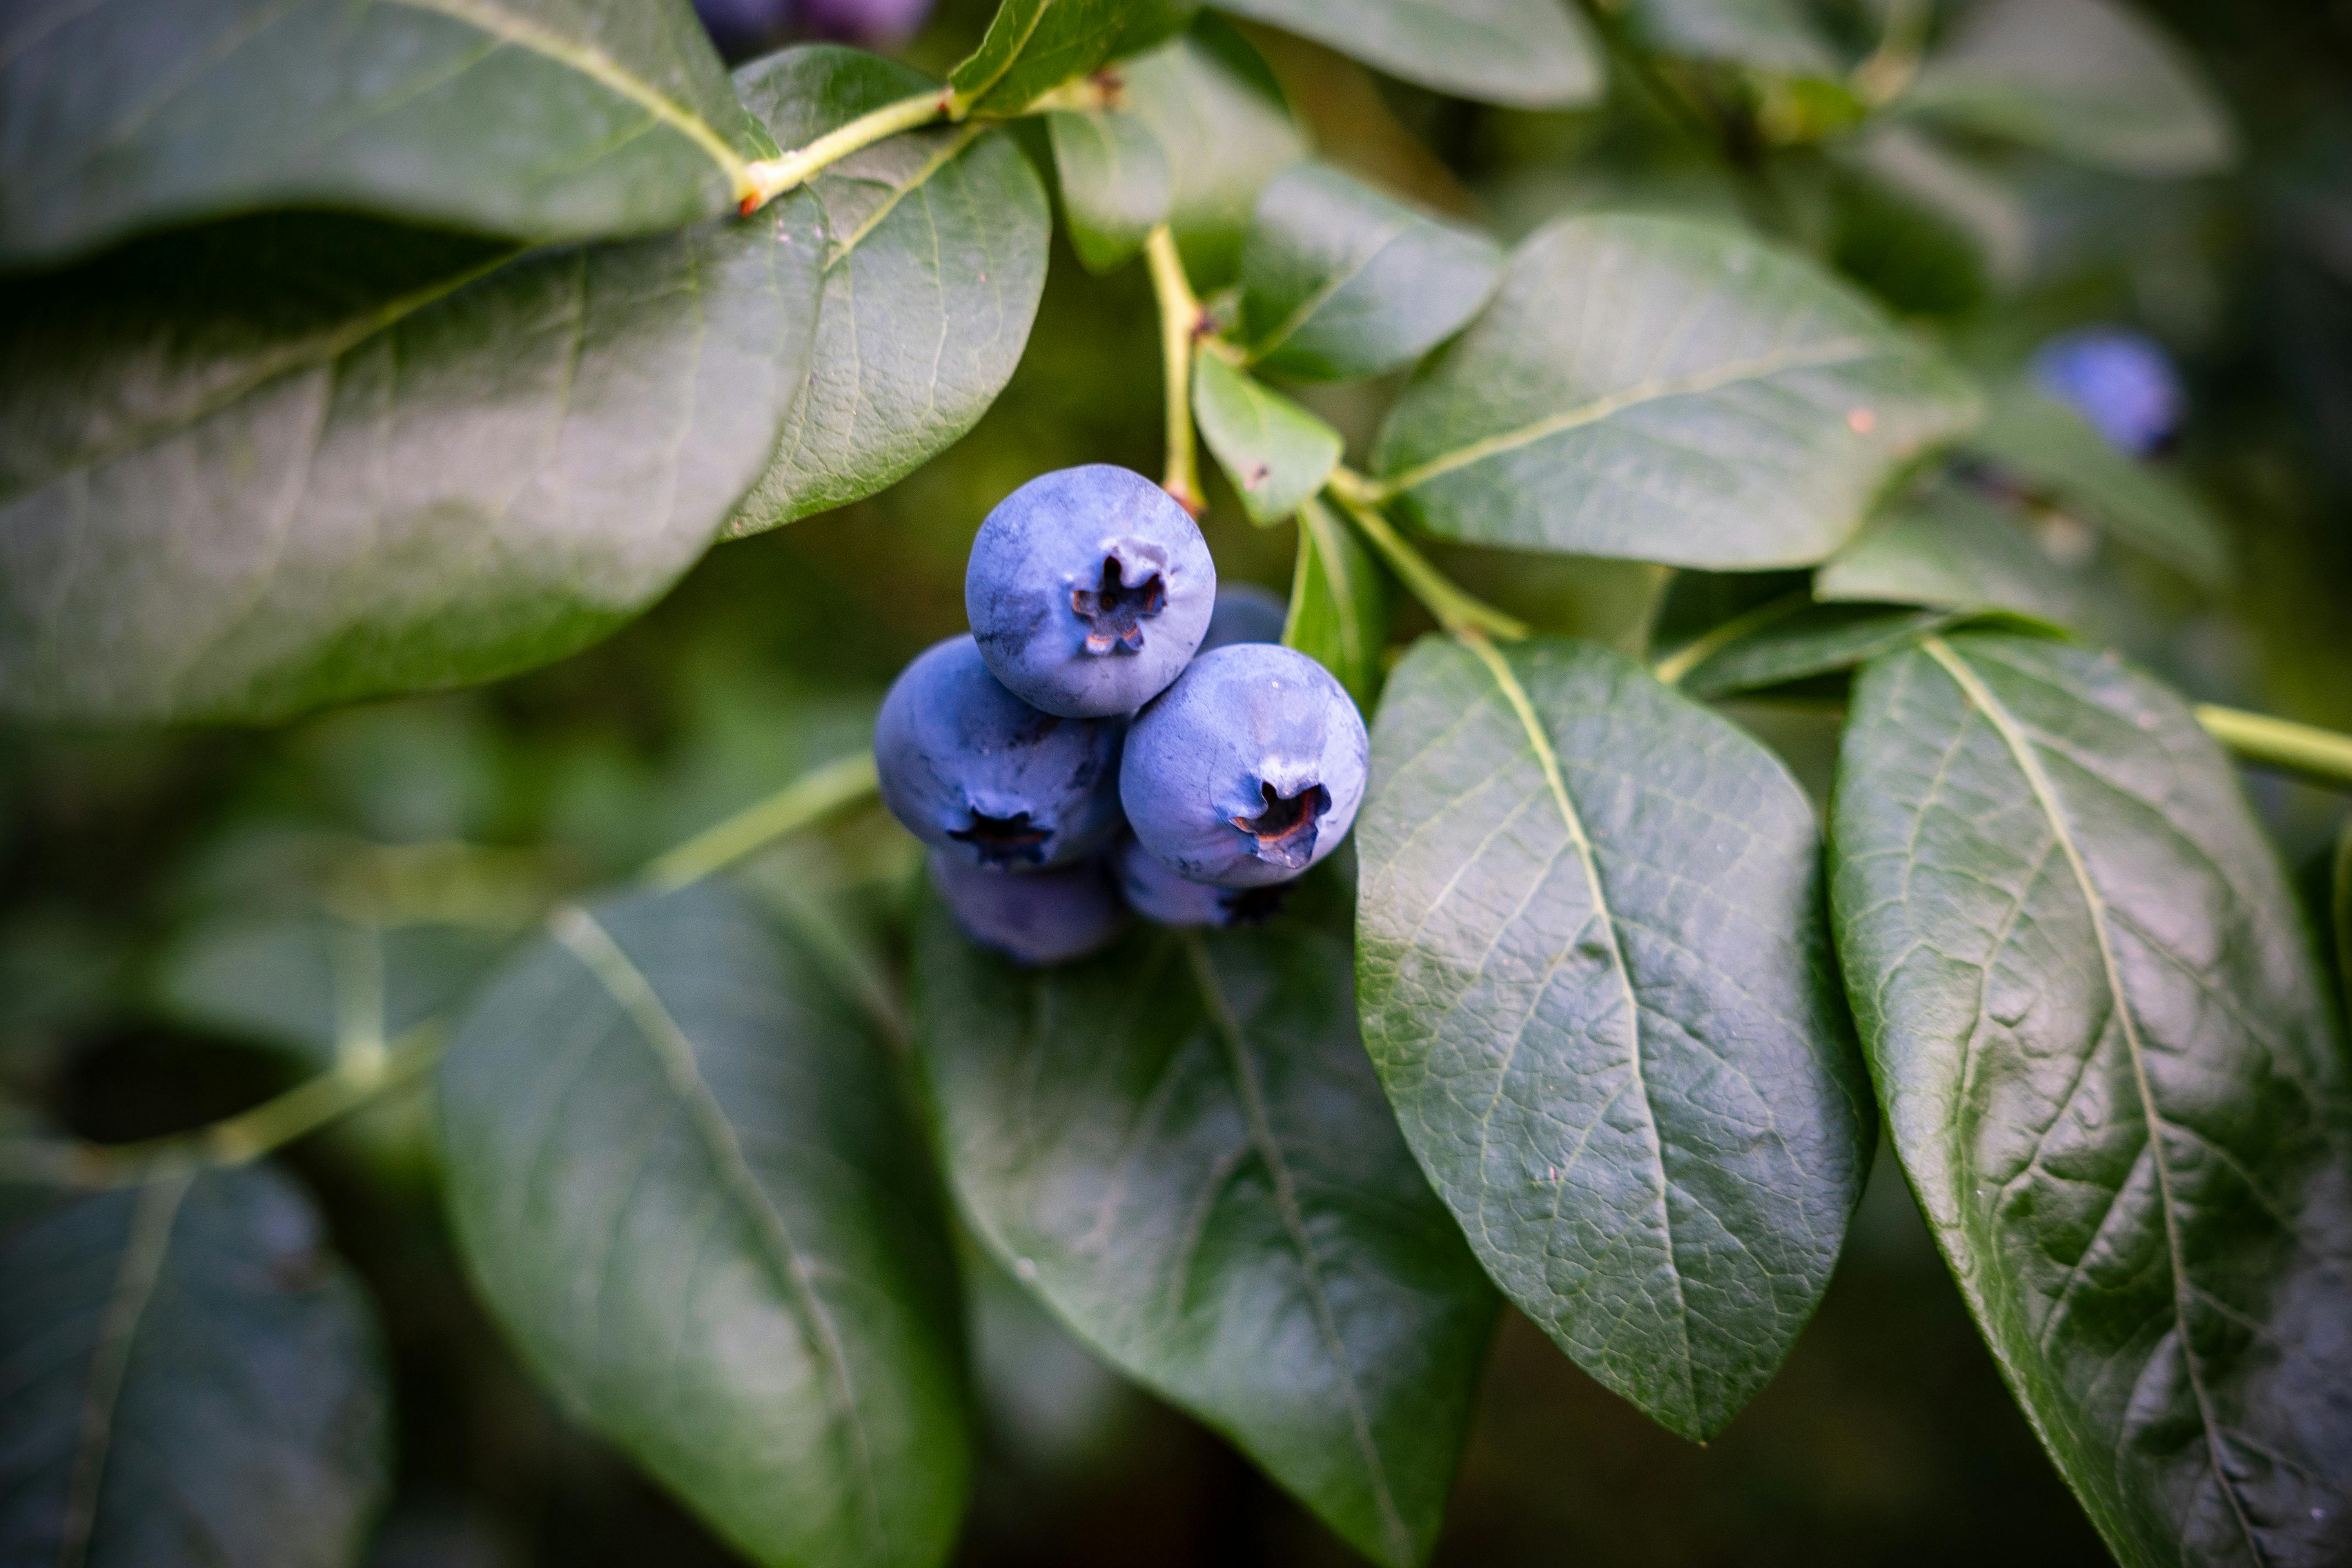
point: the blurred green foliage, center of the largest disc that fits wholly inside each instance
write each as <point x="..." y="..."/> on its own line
<point x="1888" y="1438"/>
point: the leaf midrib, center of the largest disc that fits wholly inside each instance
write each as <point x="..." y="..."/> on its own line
<point x="949" y="151"/>
<point x="156" y="1213"/>
<point x="1539" y="740"/>
<point x="587" y="940"/>
<point x="603" y="70"/>
<point x="1981" y="696"/>
<point x="306" y="352"/>
<point x="1294" y="1221"/>
<point x="1715" y="378"/>
<point x="1328" y="289"/>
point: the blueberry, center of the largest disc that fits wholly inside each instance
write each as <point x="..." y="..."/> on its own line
<point x="1088" y="589"/>
<point x="1248" y="770"/>
<point x="985" y="778"/>
<point x="869" y="22"/>
<point x="1244" y="613"/>
<point x="1158" y="894"/>
<point x="1037" y="917"/>
<point x="741" y="27"/>
<point x="2122" y="382"/>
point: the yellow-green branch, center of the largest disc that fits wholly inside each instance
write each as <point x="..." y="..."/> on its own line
<point x="2304" y="749"/>
<point x="1455" y="610"/>
<point x="1180" y="324"/>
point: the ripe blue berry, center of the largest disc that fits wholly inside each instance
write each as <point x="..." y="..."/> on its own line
<point x="1157" y="893"/>
<point x="1248" y="770"/>
<point x="985" y="778"/>
<point x="1036" y="917"/>
<point x="1088" y="589"/>
<point x="2122" y="382"/>
<point x="1244" y="613"/>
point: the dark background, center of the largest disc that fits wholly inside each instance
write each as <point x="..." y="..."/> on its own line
<point x="1888" y="1438"/>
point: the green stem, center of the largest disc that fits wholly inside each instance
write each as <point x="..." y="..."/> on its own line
<point x="1180" y="323"/>
<point x="815" y="792"/>
<point x="236" y="1140"/>
<point x="1455" y="610"/>
<point x="2306" y="749"/>
<point x="772" y="177"/>
<point x="1692" y="654"/>
<point x="1891" y="65"/>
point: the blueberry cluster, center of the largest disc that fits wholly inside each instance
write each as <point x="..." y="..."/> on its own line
<point x="1114" y="734"/>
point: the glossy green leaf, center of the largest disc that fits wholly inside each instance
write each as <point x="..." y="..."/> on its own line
<point x="1774" y="36"/>
<point x="539" y="119"/>
<point x="1597" y="988"/>
<point x="321" y="987"/>
<point x="1178" y="1147"/>
<point x="682" y="1178"/>
<point x="1339" y="280"/>
<point x="2051" y="449"/>
<point x="1115" y="186"/>
<point x="1663" y="390"/>
<point x="1810" y="641"/>
<point x="1948" y="548"/>
<point x="191" y="1380"/>
<point x="1531" y="53"/>
<point x="1275" y="453"/>
<point x="2091" y="80"/>
<point x="1035" y="46"/>
<point x="1340" y="604"/>
<point x="935" y="256"/>
<point x="290" y="462"/>
<point x="1217" y="113"/>
<point x="2092" y="1010"/>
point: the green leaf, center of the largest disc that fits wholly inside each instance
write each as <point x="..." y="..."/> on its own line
<point x="1115" y="186"/>
<point x="1215" y="110"/>
<point x="1663" y="390"/>
<point x="193" y="1380"/>
<point x="2090" y="79"/>
<point x="1949" y="548"/>
<point x="2094" y="1018"/>
<point x="536" y="121"/>
<point x="297" y="461"/>
<point x="1531" y="53"/>
<point x="682" y="1178"/>
<point x="1340" y="604"/>
<point x="1339" y="280"/>
<point x="1811" y="640"/>
<point x="936" y="244"/>
<point x="2049" y="446"/>
<point x="1035" y="46"/>
<point x="1596" y="986"/>
<point x="1773" y="35"/>
<point x="1277" y="453"/>
<point x="1178" y="1147"/>
<point x="321" y="987"/>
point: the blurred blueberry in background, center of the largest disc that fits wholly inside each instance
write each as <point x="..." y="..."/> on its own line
<point x="2122" y="382"/>
<point x="1244" y="612"/>
<point x="745" y="27"/>
<point x="870" y="22"/>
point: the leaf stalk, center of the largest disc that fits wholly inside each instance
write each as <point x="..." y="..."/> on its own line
<point x="234" y="1141"/>
<point x="1457" y="611"/>
<point x="2306" y="749"/>
<point x="772" y="177"/>
<point x="1182" y="321"/>
<point x="815" y="793"/>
